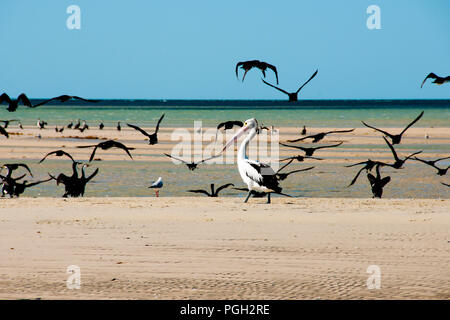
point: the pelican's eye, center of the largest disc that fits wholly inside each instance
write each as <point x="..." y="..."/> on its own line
<point x="245" y="123"/>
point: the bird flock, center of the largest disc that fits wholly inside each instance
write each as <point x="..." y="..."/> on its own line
<point x="260" y="178"/>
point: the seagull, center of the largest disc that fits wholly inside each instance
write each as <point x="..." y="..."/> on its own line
<point x="64" y="98"/>
<point x="213" y="193"/>
<point x="432" y="163"/>
<point x="58" y="153"/>
<point x="14" y="104"/>
<point x="105" y="145"/>
<point x="191" y="165"/>
<point x="41" y="124"/>
<point x="158" y="184"/>
<point x="398" y="162"/>
<point x="258" y="176"/>
<point x="377" y="183"/>
<point x="247" y="65"/>
<point x="319" y="136"/>
<point x="438" y="80"/>
<point x="293" y="96"/>
<point x="310" y="151"/>
<point x="396" y="138"/>
<point x="152" y="138"/>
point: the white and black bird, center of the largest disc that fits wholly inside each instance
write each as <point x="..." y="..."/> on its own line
<point x="157" y="185"/>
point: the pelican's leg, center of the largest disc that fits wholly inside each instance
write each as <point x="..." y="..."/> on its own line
<point x="268" y="197"/>
<point x="248" y="196"/>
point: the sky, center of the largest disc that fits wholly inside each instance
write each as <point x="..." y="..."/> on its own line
<point x="157" y="49"/>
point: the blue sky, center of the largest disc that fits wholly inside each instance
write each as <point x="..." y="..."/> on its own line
<point x="188" y="49"/>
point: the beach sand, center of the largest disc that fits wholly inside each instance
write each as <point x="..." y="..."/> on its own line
<point x="205" y="248"/>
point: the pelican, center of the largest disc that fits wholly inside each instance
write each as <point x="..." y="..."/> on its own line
<point x="158" y="184"/>
<point x="258" y="176"/>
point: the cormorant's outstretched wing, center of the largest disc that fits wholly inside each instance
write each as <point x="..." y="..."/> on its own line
<point x="87" y="100"/>
<point x="314" y="74"/>
<point x="176" y="158"/>
<point x="237" y="67"/>
<point x="36" y="183"/>
<point x="93" y="153"/>
<point x="159" y="121"/>
<point x="138" y="129"/>
<point x="26" y="102"/>
<point x="123" y="147"/>
<point x="57" y="151"/>
<point x="92" y="175"/>
<point x="356" y="177"/>
<point x="274" y="69"/>
<point x="448" y="185"/>
<point x="330" y="146"/>
<point x="44" y="102"/>
<point x="430" y="75"/>
<point x="200" y="191"/>
<point x="279" y="89"/>
<point x="339" y="131"/>
<point x="4" y="97"/>
<point x="382" y="131"/>
<point x="414" y="121"/>
<point x="4" y="132"/>
<point x="296" y="147"/>
<point x="392" y="149"/>
<point x="223" y="187"/>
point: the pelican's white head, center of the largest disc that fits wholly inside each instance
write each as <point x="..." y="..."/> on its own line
<point x="248" y="125"/>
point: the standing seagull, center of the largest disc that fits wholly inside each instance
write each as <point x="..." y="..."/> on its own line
<point x="261" y="65"/>
<point x="158" y="184"/>
<point x="152" y="138"/>
<point x="258" y="176"/>
<point x="438" y="80"/>
<point x="293" y="96"/>
<point x="396" y="138"/>
<point x="14" y="104"/>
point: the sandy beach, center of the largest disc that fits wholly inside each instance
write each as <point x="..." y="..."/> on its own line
<point x="203" y="248"/>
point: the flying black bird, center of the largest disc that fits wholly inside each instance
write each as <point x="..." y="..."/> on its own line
<point x="4" y="132"/>
<point x="398" y="162"/>
<point x="64" y="98"/>
<point x="377" y="183"/>
<point x="293" y="96"/>
<point x="58" y="153"/>
<point x="105" y="145"/>
<point x="368" y="166"/>
<point x="247" y="65"/>
<point x="282" y="176"/>
<point x="438" y="80"/>
<point x="396" y="138"/>
<point x="319" y="136"/>
<point x="152" y="138"/>
<point x="7" y="122"/>
<point x="14" y="104"/>
<point x="213" y="193"/>
<point x="310" y="151"/>
<point x="191" y="165"/>
<point x="299" y="158"/>
<point x="19" y="188"/>
<point x="432" y="163"/>
<point x="14" y="166"/>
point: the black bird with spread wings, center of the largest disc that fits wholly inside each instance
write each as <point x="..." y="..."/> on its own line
<point x="283" y="176"/>
<point x="19" y="188"/>
<point x="368" y="166"/>
<point x="227" y="125"/>
<point x="438" y="80"/>
<point x="64" y="98"/>
<point x="432" y="163"/>
<point x="377" y="183"/>
<point x="191" y="165"/>
<point x="261" y="65"/>
<point x="105" y="145"/>
<point x="58" y="153"/>
<point x="4" y="132"/>
<point x="153" y="138"/>
<point x="319" y="136"/>
<point x="396" y="138"/>
<point x="293" y="96"/>
<point x="310" y="151"/>
<point x="14" y="166"/>
<point x="299" y="158"/>
<point x="398" y="162"/>
<point x="214" y="193"/>
<point x="13" y="104"/>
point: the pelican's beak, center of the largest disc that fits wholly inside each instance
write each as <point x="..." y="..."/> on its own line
<point x="236" y="136"/>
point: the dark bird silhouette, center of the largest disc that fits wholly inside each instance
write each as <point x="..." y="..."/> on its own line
<point x="8" y="184"/>
<point x="432" y="163"/>
<point x="14" y="104"/>
<point x="368" y="166"/>
<point x="11" y="167"/>
<point x="83" y="181"/>
<point x="105" y="145"/>
<point x="191" y="165"/>
<point x="438" y="80"/>
<point x="4" y="132"/>
<point x="319" y="136"/>
<point x="310" y="151"/>
<point x="101" y="125"/>
<point x="7" y="122"/>
<point x="77" y="125"/>
<point x="20" y="125"/>
<point x="60" y="130"/>
<point x="58" y="153"/>
<point x="84" y="127"/>
<point x="299" y="158"/>
<point x="303" y="131"/>
<point x="41" y="124"/>
<point x="64" y="98"/>
<point x="377" y="183"/>
<point x="447" y="185"/>
<point x="19" y="188"/>
<point x="70" y="125"/>
<point x="247" y="65"/>
<point x="396" y="138"/>
<point x="70" y="183"/>
<point x="398" y="162"/>
<point x="229" y="124"/>
<point x="118" y="126"/>
<point x="293" y="96"/>
<point x="213" y="193"/>
<point x="152" y="138"/>
<point x="282" y="176"/>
